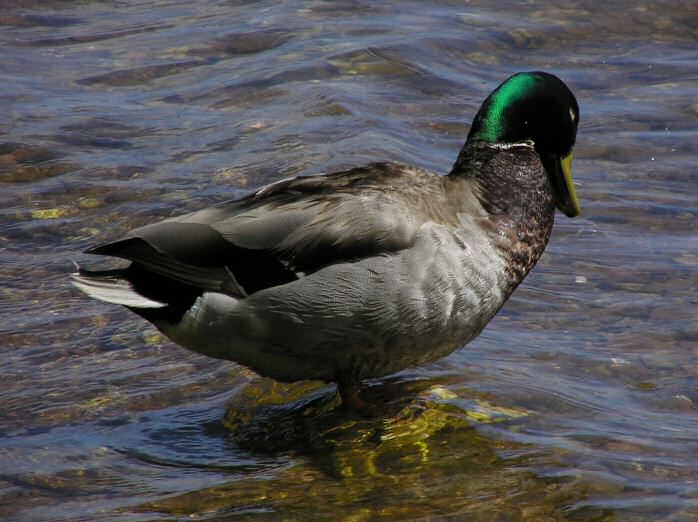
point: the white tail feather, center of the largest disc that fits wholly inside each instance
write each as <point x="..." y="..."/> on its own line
<point x="114" y="290"/>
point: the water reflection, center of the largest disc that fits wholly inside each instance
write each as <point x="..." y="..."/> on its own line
<point x="422" y="455"/>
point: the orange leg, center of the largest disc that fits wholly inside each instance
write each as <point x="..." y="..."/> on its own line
<point x="350" y="392"/>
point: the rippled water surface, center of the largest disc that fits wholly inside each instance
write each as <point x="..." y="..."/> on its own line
<point x="578" y="402"/>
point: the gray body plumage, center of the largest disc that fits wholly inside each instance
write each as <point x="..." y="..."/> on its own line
<point x="343" y="277"/>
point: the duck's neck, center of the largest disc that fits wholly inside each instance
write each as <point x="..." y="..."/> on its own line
<point x="515" y="193"/>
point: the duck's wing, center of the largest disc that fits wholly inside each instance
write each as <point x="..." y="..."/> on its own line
<point x="278" y="234"/>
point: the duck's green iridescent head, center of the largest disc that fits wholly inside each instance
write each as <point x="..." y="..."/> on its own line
<point x="537" y="107"/>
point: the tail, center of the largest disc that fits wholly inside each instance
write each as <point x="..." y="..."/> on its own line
<point x="157" y="286"/>
<point x="111" y="286"/>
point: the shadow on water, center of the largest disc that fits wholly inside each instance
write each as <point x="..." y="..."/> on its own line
<point x="421" y="455"/>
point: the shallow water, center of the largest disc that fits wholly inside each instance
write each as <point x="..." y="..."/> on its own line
<point x="578" y="402"/>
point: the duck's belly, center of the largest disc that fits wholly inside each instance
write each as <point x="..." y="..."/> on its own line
<point x="355" y="321"/>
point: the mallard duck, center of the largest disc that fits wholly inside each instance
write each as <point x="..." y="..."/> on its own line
<point x="361" y="273"/>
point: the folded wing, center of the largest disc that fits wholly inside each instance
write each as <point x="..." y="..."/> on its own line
<point x="281" y="233"/>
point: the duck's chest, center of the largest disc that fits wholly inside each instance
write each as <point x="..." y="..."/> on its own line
<point x="448" y="288"/>
<point x="480" y="283"/>
<point x="476" y="267"/>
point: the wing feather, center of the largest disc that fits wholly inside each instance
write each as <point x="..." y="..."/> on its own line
<point x="280" y="233"/>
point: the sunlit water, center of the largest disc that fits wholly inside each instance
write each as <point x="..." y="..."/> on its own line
<point x="578" y="402"/>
